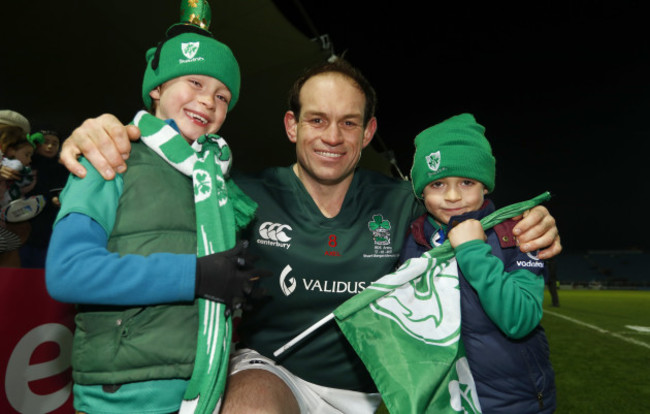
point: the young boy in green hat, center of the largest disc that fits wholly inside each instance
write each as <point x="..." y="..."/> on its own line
<point x="123" y="252"/>
<point x="501" y="288"/>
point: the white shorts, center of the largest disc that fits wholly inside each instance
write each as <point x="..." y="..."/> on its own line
<point x="311" y="398"/>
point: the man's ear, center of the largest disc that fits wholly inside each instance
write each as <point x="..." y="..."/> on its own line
<point x="369" y="131"/>
<point x="291" y="126"/>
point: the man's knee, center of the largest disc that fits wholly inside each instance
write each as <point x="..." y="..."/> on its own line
<point x="258" y="391"/>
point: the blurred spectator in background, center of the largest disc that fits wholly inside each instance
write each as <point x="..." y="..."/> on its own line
<point x="15" y="154"/>
<point x="14" y="129"/>
<point x="50" y="179"/>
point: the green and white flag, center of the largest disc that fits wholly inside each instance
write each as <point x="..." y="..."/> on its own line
<point x="405" y="327"/>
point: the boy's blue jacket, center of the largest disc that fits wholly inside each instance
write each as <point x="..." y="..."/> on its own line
<point x="511" y="375"/>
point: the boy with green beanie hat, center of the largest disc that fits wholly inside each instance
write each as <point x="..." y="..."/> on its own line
<point x="501" y="288"/>
<point x="135" y="252"/>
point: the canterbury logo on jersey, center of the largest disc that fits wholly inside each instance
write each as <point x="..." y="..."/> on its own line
<point x="274" y="234"/>
<point x="288" y="284"/>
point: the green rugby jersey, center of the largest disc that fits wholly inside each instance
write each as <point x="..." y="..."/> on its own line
<point x="318" y="263"/>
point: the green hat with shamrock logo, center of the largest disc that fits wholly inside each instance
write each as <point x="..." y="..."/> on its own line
<point x="190" y="49"/>
<point x="456" y="147"/>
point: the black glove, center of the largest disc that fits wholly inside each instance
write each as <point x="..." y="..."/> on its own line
<point x="228" y="276"/>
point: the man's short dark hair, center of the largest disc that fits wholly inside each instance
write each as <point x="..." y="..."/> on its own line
<point x="344" y="68"/>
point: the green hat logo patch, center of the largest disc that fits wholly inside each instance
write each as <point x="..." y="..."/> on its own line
<point x="189" y="49"/>
<point x="433" y="161"/>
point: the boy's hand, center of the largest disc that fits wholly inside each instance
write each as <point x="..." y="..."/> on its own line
<point x="537" y="230"/>
<point x="104" y="141"/>
<point x="466" y="231"/>
<point x="228" y="277"/>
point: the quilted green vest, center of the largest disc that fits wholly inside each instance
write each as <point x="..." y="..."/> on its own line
<point x="116" y="345"/>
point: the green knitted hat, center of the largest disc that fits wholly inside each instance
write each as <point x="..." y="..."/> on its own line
<point x="190" y="49"/>
<point x="456" y="147"/>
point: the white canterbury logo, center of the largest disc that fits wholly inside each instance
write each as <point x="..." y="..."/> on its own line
<point x="275" y="232"/>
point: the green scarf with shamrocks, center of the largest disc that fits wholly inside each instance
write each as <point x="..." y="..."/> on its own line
<point x="221" y="209"/>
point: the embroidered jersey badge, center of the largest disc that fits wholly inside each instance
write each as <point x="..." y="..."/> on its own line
<point x="380" y="229"/>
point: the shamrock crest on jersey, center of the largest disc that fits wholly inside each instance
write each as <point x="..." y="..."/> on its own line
<point x="380" y="229"/>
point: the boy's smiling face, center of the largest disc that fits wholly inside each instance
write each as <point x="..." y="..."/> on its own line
<point x="197" y="103"/>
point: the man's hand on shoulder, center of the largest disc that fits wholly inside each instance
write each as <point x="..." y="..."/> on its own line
<point x="537" y="230"/>
<point x="104" y="141"/>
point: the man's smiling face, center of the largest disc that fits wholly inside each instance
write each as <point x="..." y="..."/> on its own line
<point x="329" y="133"/>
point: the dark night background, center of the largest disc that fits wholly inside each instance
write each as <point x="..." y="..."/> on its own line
<point x="563" y="88"/>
